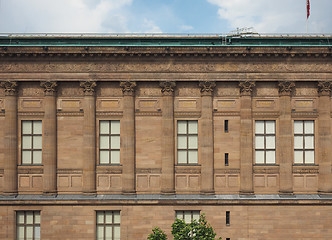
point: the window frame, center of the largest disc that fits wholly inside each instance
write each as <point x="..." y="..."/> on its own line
<point x="109" y="149"/>
<point x="104" y="224"/>
<point x="264" y="150"/>
<point x="303" y="135"/>
<point x="32" y="149"/>
<point x="191" y="214"/>
<point x="187" y="135"/>
<point x="25" y="224"/>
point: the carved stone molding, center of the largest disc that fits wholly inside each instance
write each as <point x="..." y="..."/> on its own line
<point x="207" y="87"/>
<point x="167" y="87"/>
<point x="49" y="87"/>
<point x="324" y="88"/>
<point x="88" y="87"/>
<point x="246" y="87"/>
<point x="128" y="87"/>
<point x="10" y="87"/>
<point x="286" y="88"/>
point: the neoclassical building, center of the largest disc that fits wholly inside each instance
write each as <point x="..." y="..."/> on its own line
<point x="108" y="136"/>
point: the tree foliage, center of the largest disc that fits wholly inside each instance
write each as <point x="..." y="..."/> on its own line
<point x="157" y="234"/>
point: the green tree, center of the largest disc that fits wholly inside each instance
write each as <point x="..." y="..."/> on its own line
<point x="157" y="234"/>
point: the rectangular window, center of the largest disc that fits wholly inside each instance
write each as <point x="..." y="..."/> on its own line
<point x="265" y="143"/>
<point x="226" y="159"/>
<point x="188" y="216"/>
<point x="28" y="225"/>
<point x="108" y="225"/>
<point x="304" y="142"/>
<point x="32" y="142"/>
<point x="226" y="126"/>
<point x="228" y="218"/>
<point x="187" y="142"/>
<point x="109" y="142"/>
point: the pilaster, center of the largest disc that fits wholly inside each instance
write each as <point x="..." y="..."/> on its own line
<point x="89" y="138"/>
<point x="128" y="137"/>
<point x="10" y="143"/>
<point x="285" y="138"/>
<point x="246" y="135"/>
<point x="206" y="138"/>
<point x="168" y="142"/>
<point x="50" y="138"/>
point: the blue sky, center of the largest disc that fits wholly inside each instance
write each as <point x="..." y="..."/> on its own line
<point x="163" y="16"/>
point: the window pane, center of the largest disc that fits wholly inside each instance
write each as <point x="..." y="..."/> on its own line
<point x="309" y="157"/>
<point x="196" y="215"/>
<point x="259" y="157"/>
<point x="182" y="142"/>
<point x="104" y="157"/>
<point x="309" y="142"/>
<point x="37" y="232"/>
<point x="115" y="157"/>
<point x="37" y="217"/>
<point x="259" y="142"/>
<point x="192" y="140"/>
<point x="37" y="142"/>
<point x="182" y="156"/>
<point x="20" y="233"/>
<point x="187" y="216"/>
<point x="309" y="127"/>
<point x="259" y="127"/>
<point x="116" y="217"/>
<point x="270" y="157"/>
<point x="298" y="157"/>
<point x="298" y="127"/>
<point x="193" y="158"/>
<point x="29" y="217"/>
<point x="20" y="217"/>
<point x="115" y="127"/>
<point x="37" y="157"/>
<point x="108" y="218"/>
<point x="270" y="127"/>
<point x="26" y="157"/>
<point x="182" y="127"/>
<point x="26" y="141"/>
<point x="104" y="127"/>
<point x="179" y="214"/>
<point x="100" y="217"/>
<point x="27" y="127"/>
<point x="270" y="142"/>
<point x="29" y="232"/>
<point x="37" y="127"/>
<point x="104" y="142"/>
<point x="193" y="126"/>
<point x="100" y="232"/>
<point x="298" y="142"/>
<point x="115" y="142"/>
<point x="116" y="232"/>
<point x="108" y="232"/>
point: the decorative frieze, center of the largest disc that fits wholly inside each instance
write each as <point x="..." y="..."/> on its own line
<point x="286" y="87"/>
<point x="246" y="87"/>
<point x="88" y="87"/>
<point x="128" y="87"/>
<point x="207" y="87"/>
<point x="324" y="88"/>
<point x="167" y="87"/>
<point x="10" y="87"/>
<point x="50" y="87"/>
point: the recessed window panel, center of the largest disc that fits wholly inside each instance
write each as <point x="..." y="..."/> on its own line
<point x="304" y="142"/>
<point x="109" y="142"/>
<point x="187" y="142"/>
<point x="265" y="142"/>
<point x="32" y="142"/>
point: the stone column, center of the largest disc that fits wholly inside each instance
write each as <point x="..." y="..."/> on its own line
<point x="128" y="137"/>
<point x="284" y="142"/>
<point x="10" y="144"/>
<point x="246" y="135"/>
<point x="206" y="138"/>
<point x="167" y="165"/>
<point x="324" y="138"/>
<point x="89" y="138"/>
<point x="50" y="138"/>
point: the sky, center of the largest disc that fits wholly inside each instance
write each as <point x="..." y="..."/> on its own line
<point x="164" y="16"/>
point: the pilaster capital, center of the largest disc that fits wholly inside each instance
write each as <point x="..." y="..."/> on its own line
<point x="207" y="87"/>
<point x="286" y="88"/>
<point x="128" y="87"/>
<point x="88" y="87"/>
<point x="324" y="88"/>
<point x="10" y="87"/>
<point x="50" y="87"/>
<point x="167" y="87"/>
<point x="246" y="87"/>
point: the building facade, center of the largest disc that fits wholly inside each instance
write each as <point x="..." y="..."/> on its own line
<point x="106" y="137"/>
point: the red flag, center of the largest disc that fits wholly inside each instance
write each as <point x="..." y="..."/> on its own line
<point x="308" y="9"/>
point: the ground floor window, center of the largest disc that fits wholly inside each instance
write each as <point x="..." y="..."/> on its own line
<point x="108" y="225"/>
<point x="28" y="225"/>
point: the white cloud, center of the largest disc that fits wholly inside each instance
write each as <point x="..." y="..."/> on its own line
<point x="186" y="27"/>
<point x="275" y="16"/>
<point x="150" y="26"/>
